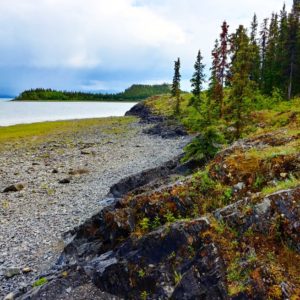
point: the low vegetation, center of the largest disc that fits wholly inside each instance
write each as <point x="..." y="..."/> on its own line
<point x="265" y="161"/>
<point x="39" y="132"/>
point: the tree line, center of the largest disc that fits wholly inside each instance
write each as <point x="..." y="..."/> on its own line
<point x="134" y="93"/>
<point x="261" y="60"/>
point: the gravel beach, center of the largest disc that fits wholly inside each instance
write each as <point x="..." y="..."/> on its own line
<point x="58" y="184"/>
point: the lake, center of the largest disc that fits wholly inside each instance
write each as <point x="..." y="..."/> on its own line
<point x="12" y="113"/>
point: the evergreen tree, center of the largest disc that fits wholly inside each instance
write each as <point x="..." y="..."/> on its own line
<point x="223" y="53"/>
<point x="222" y="68"/>
<point x="255" y="68"/>
<point x="176" y="85"/>
<point x="197" y="81"/>
<point x="215" y="91"/>
<point x="293" y="46"/>
<point x="264" y="33"/>
<point x="282" y="53"/>
<point x="241" y="84"/>
<point x="271" y="59"/>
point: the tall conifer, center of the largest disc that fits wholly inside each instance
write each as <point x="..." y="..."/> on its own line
<point x="255" y="67"/>
<point x="197" y="81"/>
<point x="241" y="84"/>
<point x="176" y="85"/>
<point x="264" y="34"/>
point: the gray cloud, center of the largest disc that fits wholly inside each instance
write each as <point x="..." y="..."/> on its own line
<point x="96" y="44"/>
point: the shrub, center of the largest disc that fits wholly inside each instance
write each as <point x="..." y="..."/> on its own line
<point x="205" y="146"/>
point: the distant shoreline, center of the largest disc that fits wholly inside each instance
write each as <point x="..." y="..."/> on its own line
<point x="90" y="101"/>
<point x="135" y="93"/>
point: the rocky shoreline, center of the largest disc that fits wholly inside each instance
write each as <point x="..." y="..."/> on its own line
<point x="62" y="183"/>
<point x="177" y="231"/>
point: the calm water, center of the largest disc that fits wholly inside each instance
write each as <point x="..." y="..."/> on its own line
<point x="12" y="113"/>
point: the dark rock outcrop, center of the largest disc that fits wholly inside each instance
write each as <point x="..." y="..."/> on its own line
<point x="167" y="130"/>
<point x="144" y="113"/>
<point x="164" y="127"/>
<point x="280" y="209"/>
<point x="101" y="234"/>
<point x="149" y="265"/>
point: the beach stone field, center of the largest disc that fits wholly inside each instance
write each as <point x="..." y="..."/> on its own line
<point x="50" y="186"/>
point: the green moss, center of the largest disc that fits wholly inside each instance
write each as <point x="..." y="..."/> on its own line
<point x="40" y="132"/>
<point x="281" y="185"/>
<point x="291" y="148"/>
<point x="156" y="223"/>
<point x="141" y="273"/>
<point x="205" y="182"/>
<point x="177" y="277"/>
<point x="169" y="217"/>
<point x="144" y="295"/>
<point x="40" y="282"/>
<point x="145" y="224"/>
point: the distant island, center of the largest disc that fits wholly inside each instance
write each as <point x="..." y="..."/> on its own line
<point x="136" y="92"/>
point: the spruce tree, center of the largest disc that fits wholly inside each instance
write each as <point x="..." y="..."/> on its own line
<point x="197" y="82"/>
<point x="292" y="46"/>
<point x="255" y="68"/>
<point x="176" y="85"/>
<point x="282" y="52"/>
<point x="271" y="59"/>
<point x="222" y="68"/>
<point x="241" y="84"/>
<point x="215" y="91"/>
<point x="264" y="33"/>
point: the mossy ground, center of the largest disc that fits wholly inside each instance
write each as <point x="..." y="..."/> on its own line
<point x="266" y="161"/>
<point x="40" y="132"/>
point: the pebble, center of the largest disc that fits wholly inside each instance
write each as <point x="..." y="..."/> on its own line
<point x="27" y="270"/>
<point x="10" y="296"/>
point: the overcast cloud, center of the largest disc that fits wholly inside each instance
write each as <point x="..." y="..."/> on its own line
<point x="107" y="45"/>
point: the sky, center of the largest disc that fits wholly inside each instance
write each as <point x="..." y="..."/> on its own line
<point x="107" y="45"/>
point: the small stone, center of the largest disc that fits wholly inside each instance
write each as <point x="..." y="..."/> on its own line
<point x="27" y="270"/>
<point x="239" y="186"/>
<point x="11" y="272"/>
<point x="85" y="152"/>
<point x="68" y="290"/>
<point x="54" y="171"/>
<point x="14" y="188"/>
<point x="65" y="181"/>
<point x="283" y="175"/>
<point x="10" y="296"/>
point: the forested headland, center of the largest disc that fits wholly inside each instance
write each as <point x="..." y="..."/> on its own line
<point x="136" y="92"/>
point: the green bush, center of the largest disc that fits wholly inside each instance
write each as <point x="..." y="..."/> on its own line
<point x="205" y="146"/>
